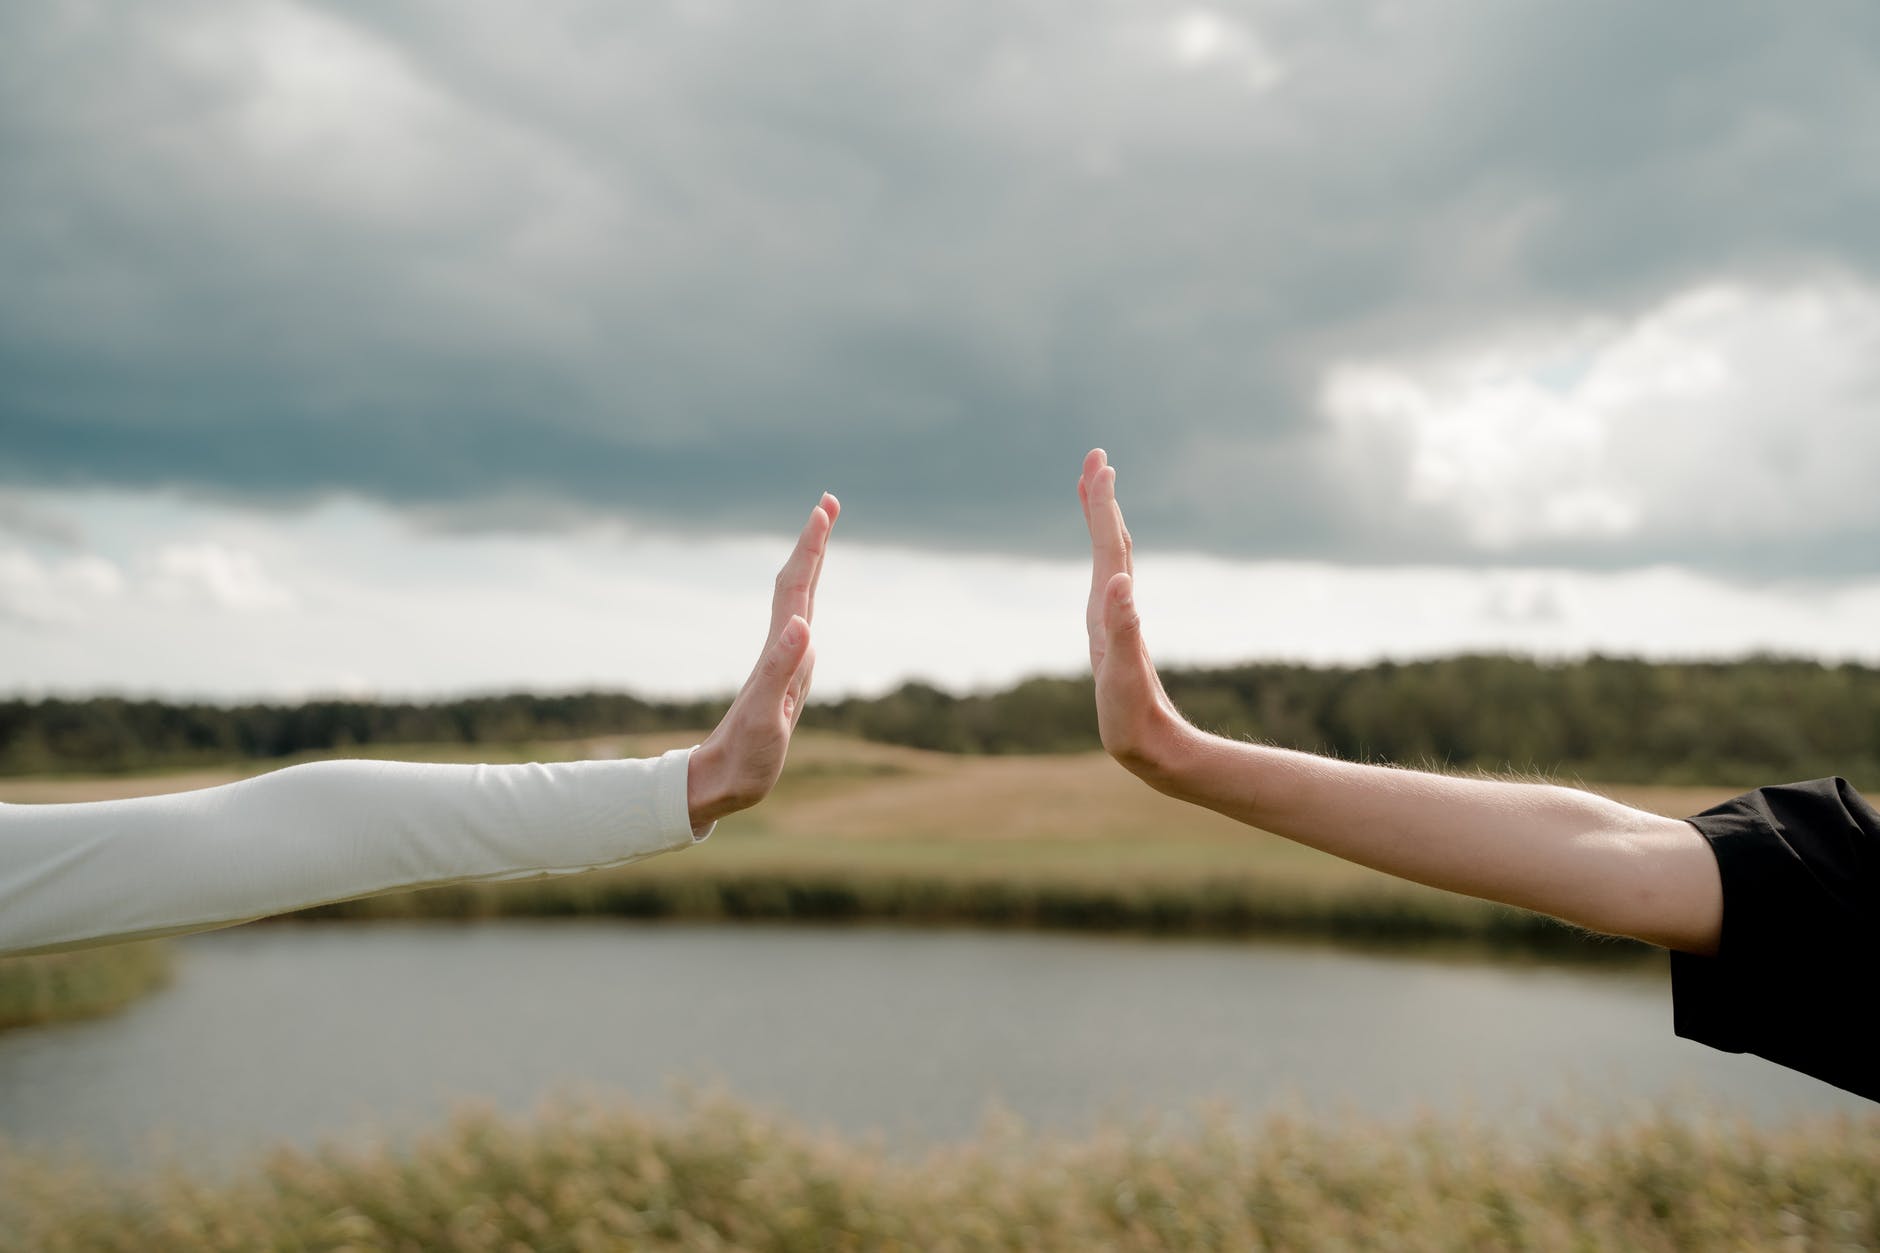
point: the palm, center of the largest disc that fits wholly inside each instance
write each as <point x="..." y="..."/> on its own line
<point x="1129" y="695"/>
<point x="742" y="759"/>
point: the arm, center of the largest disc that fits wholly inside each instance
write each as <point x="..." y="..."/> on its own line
<point x="107" y="871"/>
<point x="81" y="874"/>
<point x="1588" y="860"/>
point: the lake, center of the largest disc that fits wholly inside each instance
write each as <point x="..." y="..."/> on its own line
<point x="289" y="1033"/>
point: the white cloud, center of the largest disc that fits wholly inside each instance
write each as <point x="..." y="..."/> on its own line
<point x="1527" y="597"/>
<point x="1511" y="459"/>
<point x="381" y="607"/>
<point x="1728" y="412"/>
<point x="225" y="577"/>
<point x="61" y="591"/>
<point x="1199" y="38"/>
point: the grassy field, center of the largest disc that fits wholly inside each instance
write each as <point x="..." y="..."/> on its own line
<point x="861" y="831"/>
<point x="717" y="1176"/>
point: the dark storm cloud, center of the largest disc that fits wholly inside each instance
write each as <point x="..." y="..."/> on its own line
<point x="692" y="265"/>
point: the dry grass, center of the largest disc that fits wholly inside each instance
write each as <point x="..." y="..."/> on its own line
<point x="717" y="1176"/>
<point x="83" y="984"/>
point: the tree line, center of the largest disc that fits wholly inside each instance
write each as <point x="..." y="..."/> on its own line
<point x="1603" y="718"/>
<point x="112" y="733"/>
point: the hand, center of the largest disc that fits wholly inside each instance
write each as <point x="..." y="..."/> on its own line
<point x="741" y="759"/>
<point x="1140" y="725"/>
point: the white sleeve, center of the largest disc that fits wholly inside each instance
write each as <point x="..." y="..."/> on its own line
<point x="104" y="871"/>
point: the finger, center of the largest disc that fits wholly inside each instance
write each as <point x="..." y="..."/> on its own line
<point x="791" y="596"/>
<point x="1108" y="536"/>
<point x="1093" y="603"/>
<point x="797" y="698"/>
<point x="1122" y="625"/>
<point x="777" y="669"/>
<point x="833" y="507"/>
<point x="1109" y="541"/>
<point x="1094" y="460"/>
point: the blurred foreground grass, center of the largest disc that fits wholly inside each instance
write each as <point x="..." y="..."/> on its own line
<point x="78" y="985"/>
<point x="717" y="1176"/>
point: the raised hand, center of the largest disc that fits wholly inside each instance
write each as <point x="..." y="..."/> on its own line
<point x="1135" y="716"/>
<point x="741" y="759"/>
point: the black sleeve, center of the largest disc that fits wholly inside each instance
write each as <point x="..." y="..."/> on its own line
<point x="1795" y="973"/>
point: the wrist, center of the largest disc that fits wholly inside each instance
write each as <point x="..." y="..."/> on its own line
<point x="1180" y="762"/>
<point x="1163" y="750"/>
<point x="707" y="796"/>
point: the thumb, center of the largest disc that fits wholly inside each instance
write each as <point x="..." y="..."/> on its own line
<point x="1121" y="622"/>
<point x="781" y="660"/>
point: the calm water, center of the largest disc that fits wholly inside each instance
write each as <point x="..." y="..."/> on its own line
<point x="298" y="1034"/>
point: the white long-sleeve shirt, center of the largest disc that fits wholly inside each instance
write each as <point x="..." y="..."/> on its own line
<point x="105" y="871"/>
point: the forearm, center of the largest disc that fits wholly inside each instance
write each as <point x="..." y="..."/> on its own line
<point x="107" y="871"/>
<point x="1565" y="852"/>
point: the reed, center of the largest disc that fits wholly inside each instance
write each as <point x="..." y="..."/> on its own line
<point x="1229" y="905"/>
<point x="718" y="1176"/>
<point x="60" y="986"/>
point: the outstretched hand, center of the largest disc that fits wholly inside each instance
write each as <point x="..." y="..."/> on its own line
<point x="1138" y="722"/>
<point x="741" y="759"/>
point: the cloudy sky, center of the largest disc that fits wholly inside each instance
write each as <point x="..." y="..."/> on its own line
<point x="415" y="348"/>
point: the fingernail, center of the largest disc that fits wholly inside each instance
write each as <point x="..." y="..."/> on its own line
<point x="793" y="633"/>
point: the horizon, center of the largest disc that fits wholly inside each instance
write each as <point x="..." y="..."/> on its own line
<point x="656" y="700"/>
